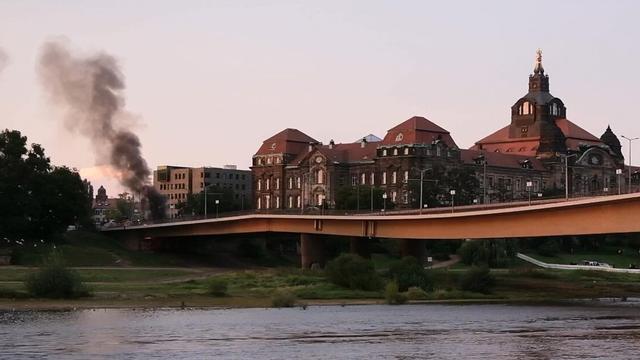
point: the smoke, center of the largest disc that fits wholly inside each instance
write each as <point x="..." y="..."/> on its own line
<point x="90" y="89"/>
<point x="4" y="60"/>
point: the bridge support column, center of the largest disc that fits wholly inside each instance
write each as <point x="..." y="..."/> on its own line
<point x="311" y="251"/>
<point x="412" y="247"/>
<point x="360" y="246"/>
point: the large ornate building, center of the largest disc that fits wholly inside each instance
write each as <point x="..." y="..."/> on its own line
<point x="292" y="169"/>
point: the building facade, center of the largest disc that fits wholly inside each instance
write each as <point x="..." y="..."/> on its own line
<point x="176" y="183"/>
<point x="531" y="154"/>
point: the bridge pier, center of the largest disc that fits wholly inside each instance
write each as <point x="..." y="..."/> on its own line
<point x="311" y="251"/>
<point x="412" y="247"/>
<point x="360" y="246"/>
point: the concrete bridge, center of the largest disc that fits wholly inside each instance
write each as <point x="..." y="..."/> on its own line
<point x="601" y="215"/>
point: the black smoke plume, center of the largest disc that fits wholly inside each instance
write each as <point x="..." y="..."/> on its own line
<point x="91" y="91"/>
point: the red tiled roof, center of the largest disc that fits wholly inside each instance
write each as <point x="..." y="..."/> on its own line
<point x="417" y="130"/>
<point x="288" y="141"/>
<point x="500" y="141"/>
<point x="500" y="159"/>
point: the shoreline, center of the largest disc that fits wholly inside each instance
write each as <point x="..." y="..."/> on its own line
<point x="8" y="305"/>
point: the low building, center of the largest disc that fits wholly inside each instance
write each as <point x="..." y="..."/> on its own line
<point x="176" y="183"/>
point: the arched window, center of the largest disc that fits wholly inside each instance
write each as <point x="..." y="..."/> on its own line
<point x="320" y="176"/>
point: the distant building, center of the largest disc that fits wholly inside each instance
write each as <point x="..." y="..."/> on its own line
<point x="102" y="206"/>
<point x="292" y="169"/>
<point x="176" y="183"/>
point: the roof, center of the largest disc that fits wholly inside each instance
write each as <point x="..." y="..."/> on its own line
<point x="417" y="130"/>
<point x="500" y="159"/>
<point x="342" y="153"/>
<point x="500" y="141"/>
<point x="369" y="138"/>
<point x="287" y="141"/>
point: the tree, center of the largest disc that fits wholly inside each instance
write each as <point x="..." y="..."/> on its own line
<point x="348" y="197"/>
<point x="195" y="202"/>
<point x="37" y="199"/>
<point x="439" y="182"/>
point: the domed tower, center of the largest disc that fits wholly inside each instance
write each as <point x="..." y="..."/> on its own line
<point x="534" y="115"/>
<point x="611" y="140"/>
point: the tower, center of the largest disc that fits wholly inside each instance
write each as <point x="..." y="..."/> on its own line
<point x="534" y="115"/>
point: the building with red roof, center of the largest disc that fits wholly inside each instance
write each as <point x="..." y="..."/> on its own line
<point x="293" y="170"/>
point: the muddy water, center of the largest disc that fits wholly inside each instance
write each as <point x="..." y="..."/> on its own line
<point x="331" y="332"/>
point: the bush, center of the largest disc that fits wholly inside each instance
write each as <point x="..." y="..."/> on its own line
<point x="416" y="293"/>
<point x="477" y="279"/>
<point x="217" y="287"/>
<point x="473" y="253"/>
<point x="353" y="272"/>
<point x="392" y="294"/>
<point x="283" y="298"/>
<point x="408" y="272"/>
<point x="54" y="280"/>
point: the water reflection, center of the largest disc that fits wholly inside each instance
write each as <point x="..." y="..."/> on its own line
<point x="367" y="332"/>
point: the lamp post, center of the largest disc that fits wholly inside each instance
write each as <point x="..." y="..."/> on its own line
<point x="205" y="200"/>
<point x="372" y="196"/>
<point x="619" y="173"/>
<point x="483" y="159"/>
<point x="384" y="202"/>
<point x="453" y="194"/>
<point x="217" y="203"/>
<point x="529" y="186"/>
<point x="566" y="174"/>
<point x="630" y="140"/>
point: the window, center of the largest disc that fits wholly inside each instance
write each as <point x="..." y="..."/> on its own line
<point x="259" y="203"/>
<point x="384" y="178"/>
<point x="299" y="201"/>
<point x="320" y="176"/>
<point x="525" y="108"/>
<point x="406" y="176"/>
<point x="394" y="195"/>
<point x="372" y="178"/>
<point x="299" y="183"/>
<point x="394" y="177"/>
<point x="277" y="202"/>
<point x="395" y="151"/>
<point x="290" y="182"/>
<point x="278" y="183"/>
<point x="290" y="201"/>
<point x="259" y="184"/>
<point x="406" y="151"/>
<point x="268" y="183"/>
<point x="269" y="160"/>
<point x="363" y="178"/>
<point x="405" y="197"/>
<point x="354" y="180"/>
<point x="267" y="201"/>
<point x="438" y="151"/>
<point x="384" y="152"/>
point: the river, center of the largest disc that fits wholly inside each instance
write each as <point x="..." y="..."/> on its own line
<point x="328" y="332"/>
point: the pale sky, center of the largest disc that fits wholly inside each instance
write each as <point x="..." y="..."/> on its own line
<point x="210" y="80"/>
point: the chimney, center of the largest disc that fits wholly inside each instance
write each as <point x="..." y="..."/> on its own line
<point x="363" y="143"/>
<point x="331" y="143"/>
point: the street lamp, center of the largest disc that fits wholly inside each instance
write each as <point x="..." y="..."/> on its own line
<point x="619" y="173"/>
<point x="384" y="202"/>
<point x="422" y="171"/>
<point x="453" y="194"/>
<point x="529" y="186"/>
<point x="217" y="203"/>
<point x="630" y="140"/>
<point x="483" y="158"/>
<point x="566" y="174"/>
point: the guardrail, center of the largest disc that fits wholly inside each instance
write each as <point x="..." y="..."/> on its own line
<point x="545" y="265"/>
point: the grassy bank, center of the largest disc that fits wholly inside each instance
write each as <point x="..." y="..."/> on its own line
<point x="173" y="287"/>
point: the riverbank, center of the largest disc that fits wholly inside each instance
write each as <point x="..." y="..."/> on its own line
<point x="188" y="288"/>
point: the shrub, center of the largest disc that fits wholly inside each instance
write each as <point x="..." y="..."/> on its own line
<point x="54" y="280"/>
<point x="353" y="272"/>
<point x="283" y="298"/>
<point x="477" y="279"/>
<point x="392" y="294"/>
<point x="408" y="272"/>
<point x="217" y="287"/>
<point x="473" y="253"/>
<point x="416" y="293"/>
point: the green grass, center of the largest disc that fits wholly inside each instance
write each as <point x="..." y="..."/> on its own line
<point x="608" y="256"/>
<point x="104" y="275"/>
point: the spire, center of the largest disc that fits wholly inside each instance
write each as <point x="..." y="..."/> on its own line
<point x="538" y="69"/>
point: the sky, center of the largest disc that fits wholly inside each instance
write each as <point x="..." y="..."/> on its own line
<point x="208" y="81"/>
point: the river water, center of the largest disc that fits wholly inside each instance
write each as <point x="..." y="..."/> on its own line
<point x="328" y="332"/>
